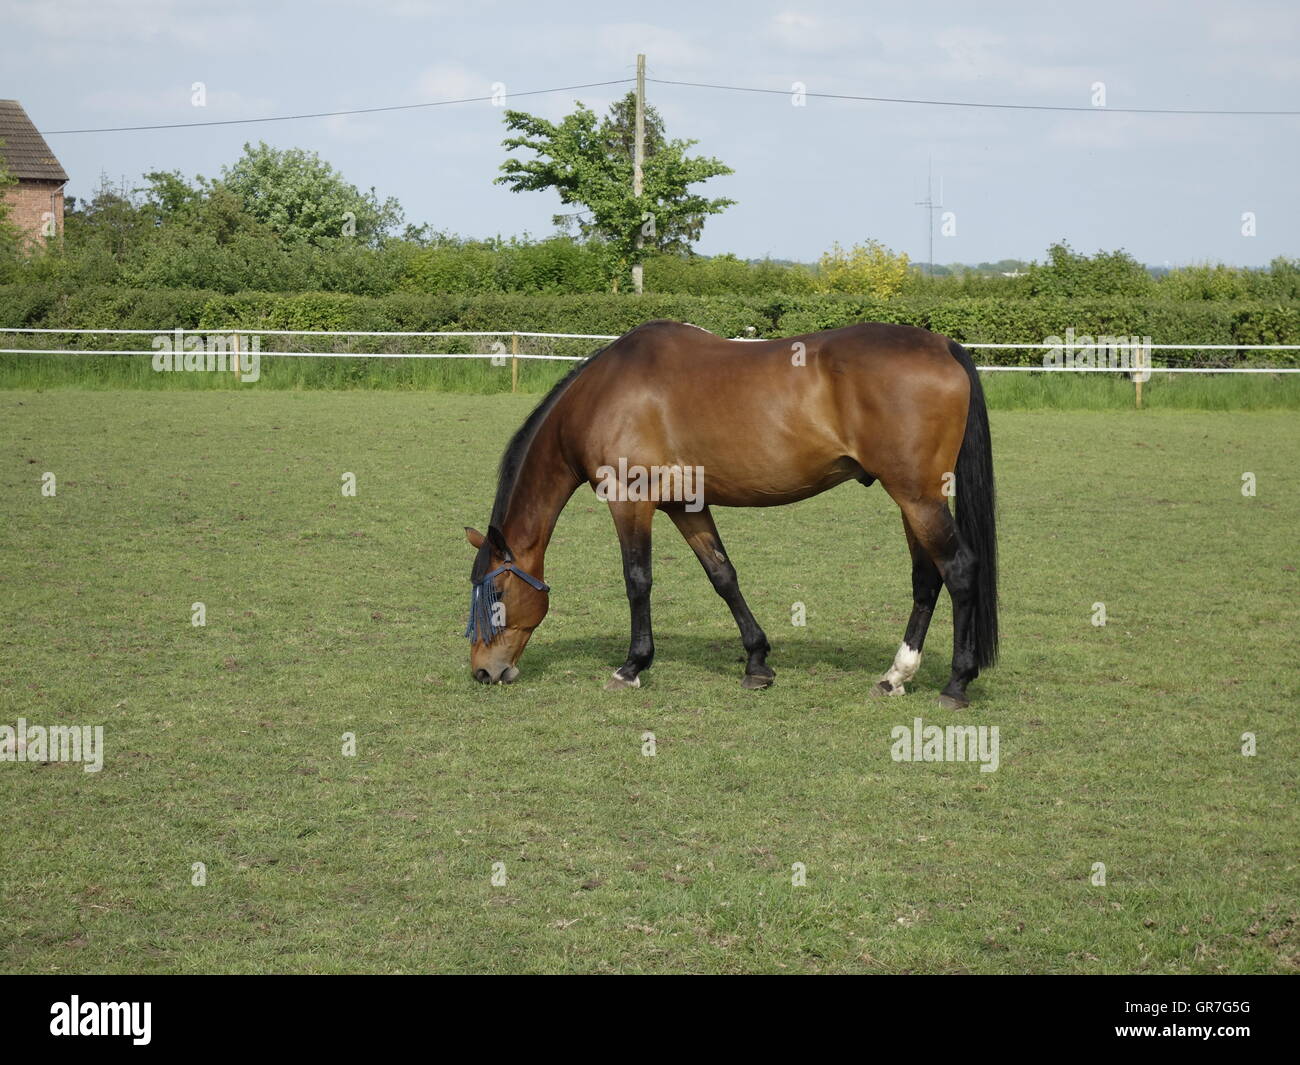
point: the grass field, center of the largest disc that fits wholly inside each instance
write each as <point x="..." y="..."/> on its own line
<point x="327" y="615"/>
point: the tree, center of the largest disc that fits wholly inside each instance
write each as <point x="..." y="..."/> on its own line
<point x="109" y="224"/>
<point x="302" y="198"/>
<point x="1070" y="274"/>
<point x="619" y="130"/>
<point x="588" y="162"/>
<point x="167" y="194"/>
<point x="867" y="269"/>
<point x="10" y="239"/>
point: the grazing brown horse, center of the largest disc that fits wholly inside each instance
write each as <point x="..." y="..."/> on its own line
<point x="670" y="417"/>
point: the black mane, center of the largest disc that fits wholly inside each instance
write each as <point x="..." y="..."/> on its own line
<point x="513" y="458"/>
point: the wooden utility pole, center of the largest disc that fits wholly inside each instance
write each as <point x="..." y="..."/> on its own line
<point x="638" y="161"/>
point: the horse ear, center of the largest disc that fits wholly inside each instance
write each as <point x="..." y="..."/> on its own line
<point x="474" y="537"/>
<point x="499" y="542"/>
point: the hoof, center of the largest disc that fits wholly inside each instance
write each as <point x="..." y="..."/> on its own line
<point x="756" y="682"/>
<point x="948" y="702"/>
<point x="617" y="683"/>
<point x="882" y="688"/>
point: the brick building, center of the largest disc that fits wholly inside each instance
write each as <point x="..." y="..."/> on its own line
<point x="37" y="198"/>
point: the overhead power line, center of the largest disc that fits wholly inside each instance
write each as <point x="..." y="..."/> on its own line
<point x="334" y="114"/>
<point x="970" y="103"/>
<point x="690" y="85"/>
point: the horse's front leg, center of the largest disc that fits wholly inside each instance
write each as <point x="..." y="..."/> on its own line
<point x="701" y="534"/>
<point x="633" y="521"/>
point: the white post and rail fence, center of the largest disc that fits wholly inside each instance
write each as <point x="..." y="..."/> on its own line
<point x="1129" y="357"/>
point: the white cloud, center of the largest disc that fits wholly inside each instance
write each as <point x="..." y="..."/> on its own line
<point x="800" y="31"/>
<point x="620" y="43"/>
<point x="131" y="23"/>
<point x="451" y="81"/>
<point x="173" y="104"/>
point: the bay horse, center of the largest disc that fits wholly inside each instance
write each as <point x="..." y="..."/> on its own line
<point x="761" y="423"/>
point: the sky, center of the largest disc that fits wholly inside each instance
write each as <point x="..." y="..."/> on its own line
<point x="1170" y="189"/>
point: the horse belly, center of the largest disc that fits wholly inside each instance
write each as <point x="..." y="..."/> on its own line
<point x="743" y="444"/>
<point x="754" y="482"/>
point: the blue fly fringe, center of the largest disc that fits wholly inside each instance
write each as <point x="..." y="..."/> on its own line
<point x="483" y="597"/>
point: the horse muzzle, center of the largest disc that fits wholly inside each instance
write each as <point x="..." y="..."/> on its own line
<point x="504" y="675"/>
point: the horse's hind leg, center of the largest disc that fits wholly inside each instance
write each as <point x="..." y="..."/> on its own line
<point x="633" y="520"/>
<point x="932" y="525"/>
<point x="926" y="583"/>
<point x="699" y="531"/>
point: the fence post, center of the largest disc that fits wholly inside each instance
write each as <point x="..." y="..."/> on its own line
<point x="514" y="362"/>
<point x="1138" y="360"/>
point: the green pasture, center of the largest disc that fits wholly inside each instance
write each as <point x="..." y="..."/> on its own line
<point x="329" y="615"/>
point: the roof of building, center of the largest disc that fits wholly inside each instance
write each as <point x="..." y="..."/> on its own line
<point x="23" y="149"/>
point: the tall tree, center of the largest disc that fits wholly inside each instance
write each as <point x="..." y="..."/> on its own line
<point x="302" y="197"/>
<point x="588" y="162"/>
<point x="619" y="129"/>
<point x="9" y="237"/>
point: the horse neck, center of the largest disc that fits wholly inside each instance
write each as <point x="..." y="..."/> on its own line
<point x="542" y="488"/>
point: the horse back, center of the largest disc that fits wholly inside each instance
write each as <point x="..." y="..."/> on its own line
<point x="769" y="421"/>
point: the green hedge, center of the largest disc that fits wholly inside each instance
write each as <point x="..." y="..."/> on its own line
<point x="987" y="319"/>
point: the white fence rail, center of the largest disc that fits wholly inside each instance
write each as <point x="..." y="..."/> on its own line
<point x="1141" y="365"/>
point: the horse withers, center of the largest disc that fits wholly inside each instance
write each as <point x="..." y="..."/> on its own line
<point x="671" y="417"/>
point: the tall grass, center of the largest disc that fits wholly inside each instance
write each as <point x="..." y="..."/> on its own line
<point x="1095" y="391"/>
<point x="278" y="373"/>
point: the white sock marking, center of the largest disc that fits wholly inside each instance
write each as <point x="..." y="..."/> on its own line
<point x="906" y="663"/>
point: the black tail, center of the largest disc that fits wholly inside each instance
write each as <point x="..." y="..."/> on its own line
<point x="976" y="524"/>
